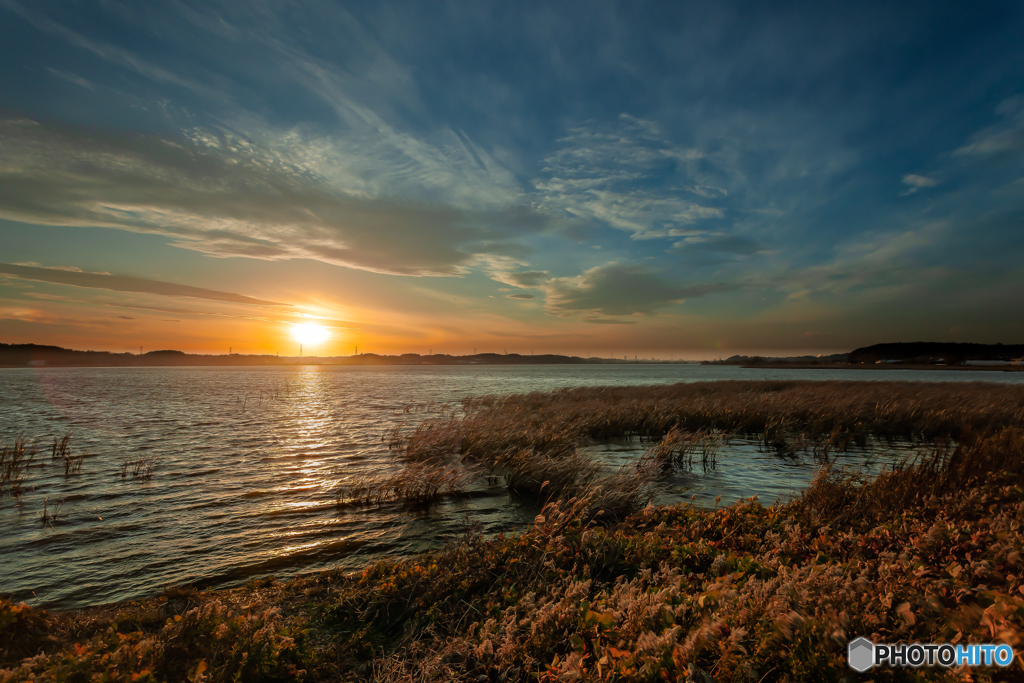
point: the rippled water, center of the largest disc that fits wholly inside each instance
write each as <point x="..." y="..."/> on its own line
<point x="246" y="462"/>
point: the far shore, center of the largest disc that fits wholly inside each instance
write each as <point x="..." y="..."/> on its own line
<point x="877" y="366"/>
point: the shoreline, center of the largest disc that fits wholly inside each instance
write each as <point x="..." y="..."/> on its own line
<point x="878" y="366"/>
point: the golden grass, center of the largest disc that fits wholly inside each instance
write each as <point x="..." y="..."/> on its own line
<point x="679" y="450"/>
<point x="927" y="552"/>
<point x="535" y="440"/>
<point x="534" y="473"/>
<point x="943" y="470"/>
<point x="416" y="483"/>
<point x="824" y="415"/>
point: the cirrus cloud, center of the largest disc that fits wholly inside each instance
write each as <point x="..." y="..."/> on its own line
<point x="225" y="196"/>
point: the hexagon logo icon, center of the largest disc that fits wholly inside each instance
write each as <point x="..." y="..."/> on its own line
<point x="861" y="654"/>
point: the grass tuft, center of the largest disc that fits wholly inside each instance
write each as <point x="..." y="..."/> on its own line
<point x="141" y="468"/>
<point x="52" y="514"/>
<point x="15" y="460"/>
<point x="417" y="483"/>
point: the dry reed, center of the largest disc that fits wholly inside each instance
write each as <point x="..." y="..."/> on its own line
<point x="537" y="474"/>
<point x="140" y="467"/>
<point x="15" y="459"/>
<point x="679" y="448"/>
<point x="783" y="415"/>
<point x="416" y="483"/>
<point x="51" y="515"/>
<point x="977" y="459"/>
<point x="61" y="450"/>
<point x="534" y="440"/>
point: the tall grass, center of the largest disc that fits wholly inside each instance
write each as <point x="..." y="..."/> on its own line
<point x="535" y="440"/>
<point x="825" y="415"/>
<point x="679" y="450"/>
<point x="942" y="470"/>
<point x="542" y="475"/>
<point x="15" y="459"/>
<point x="140" y="467"/>
<point x="929" y="551"/>
<point x="61" y="451"/>
<point x="417" y="483"/>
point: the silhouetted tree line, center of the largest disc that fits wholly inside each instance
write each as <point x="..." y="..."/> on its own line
<point x="935" y="352"/>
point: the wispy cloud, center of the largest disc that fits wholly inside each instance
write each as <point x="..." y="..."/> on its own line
<point x="716" y="249"/>
<point x="120" y="283"/>
<point x="916" y="182"/>
<point x="872" y="262"/>
<point x="526" y="278"/>
<point x="108" y="52"/>
<point x="223" y="195"/>
<point x="21" y="313"/>
<point x="1005" y="137"/>
<point x="617" y="289"/>
<point x="77" y="80"/>
<point x="605" y="173"/>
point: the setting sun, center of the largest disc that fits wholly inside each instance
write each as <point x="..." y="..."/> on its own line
<point x="310" y="334"/>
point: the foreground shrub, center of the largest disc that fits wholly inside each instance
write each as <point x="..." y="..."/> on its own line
<point x="211" y="642"/>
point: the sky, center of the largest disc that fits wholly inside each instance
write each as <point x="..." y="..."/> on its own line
<point x="684" y="180"/>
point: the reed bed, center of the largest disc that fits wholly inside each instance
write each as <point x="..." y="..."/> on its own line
<point x="943" y="470"/>
<point x="678" y="450"/>
<point x="927" y="552"/>
<point x="537" y="474"/>
<point x="534" y="440"/>
<point x="783" y="414"/>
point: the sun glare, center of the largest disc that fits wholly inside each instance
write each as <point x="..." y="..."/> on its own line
<point x="310" y="334"/>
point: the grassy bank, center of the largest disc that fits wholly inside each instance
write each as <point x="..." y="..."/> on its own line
<point x="928" y="552"/>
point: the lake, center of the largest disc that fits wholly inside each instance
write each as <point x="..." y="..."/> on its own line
<point x="245" y="462"/>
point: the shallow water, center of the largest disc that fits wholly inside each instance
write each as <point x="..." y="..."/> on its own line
<point x="246" y="461"/>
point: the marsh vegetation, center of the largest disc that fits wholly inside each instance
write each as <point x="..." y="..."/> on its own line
<point x="603" y="586"/>
<point x="929" y="551"/>
<point x="536" y="443"/>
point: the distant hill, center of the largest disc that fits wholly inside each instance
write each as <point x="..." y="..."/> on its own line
<point x="38" y="354"/>
<point x="21" y="355"/>
<point x="935" y="353"/>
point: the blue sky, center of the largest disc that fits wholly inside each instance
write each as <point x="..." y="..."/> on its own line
<point x="652" y="178"/>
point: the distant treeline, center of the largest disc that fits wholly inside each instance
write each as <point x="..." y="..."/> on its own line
<point x="936" y="353"/>
<point x="20" y="355"/>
